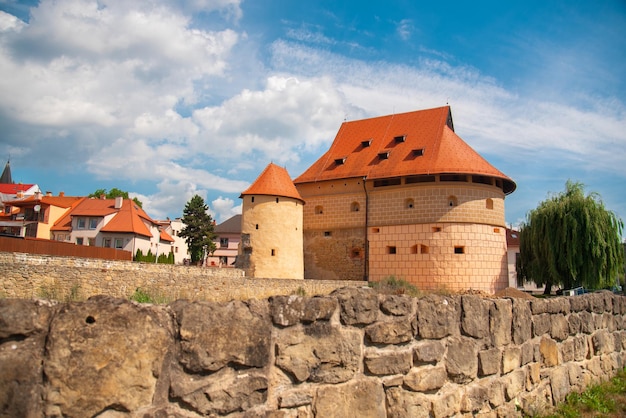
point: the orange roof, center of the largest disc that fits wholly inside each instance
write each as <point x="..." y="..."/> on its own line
<point x="422" y="142"/>
<point x="165" y="236"/>
<point x="13" y="188"/>
<point x="273" y="181"/>
<point x="58" y="201"/>
<point x="127" y="219"/>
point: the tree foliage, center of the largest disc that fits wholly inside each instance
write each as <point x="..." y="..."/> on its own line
<point x="112" y="194"/>
<point x="571" y="240"/>
<point x="198" y="230"/>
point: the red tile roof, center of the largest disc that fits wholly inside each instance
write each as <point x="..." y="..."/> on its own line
<point x="164" y="236"/>
<point x="128" y="219"/>
<point x="273" y="181"/>
<point x="422" y="142"/>
<point x="13" y="188"/>
<point x="58" y="201"/>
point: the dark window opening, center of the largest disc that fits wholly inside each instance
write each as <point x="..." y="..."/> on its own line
<point x="409" y="203"/>
<point x="419" y="179"/>
<point x="400" y="138"/>
<point x="252" y="199"/>
<point x="453" y="177"/>
<point x="481" y="179"/>
<point x="453" y="201"/>
<point x="391" y="250"/>
<point x="327" y="233"/>
<point x="414" y="249"/>
<point x="273" y="252"/>
<point x="387" y="182"/>
<point x="340" y="161"/>
<point x="276" y="200"/>
<point x="459" y="250"/>
<point x="436" y="229"/>
<point x="366" y="143"/>
<point x="355" y="253"/>
<point x="418" y="152"/>
<point x="423" y="249"/>
<point x="257" y="226"/>
<point x="319" y="210"/>
<point x="383" y="155"/>
<point x="376" y="230"/>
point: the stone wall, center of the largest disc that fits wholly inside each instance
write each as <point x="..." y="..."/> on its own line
<point x="71" y="278"/>
<point x="353" y="353"/>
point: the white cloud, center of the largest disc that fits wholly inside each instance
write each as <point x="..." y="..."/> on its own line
<point x="224" y="208"/>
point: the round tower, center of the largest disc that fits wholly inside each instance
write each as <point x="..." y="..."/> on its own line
<point x="271" y="227"/>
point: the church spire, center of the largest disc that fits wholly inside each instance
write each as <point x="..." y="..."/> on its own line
<point x="6" y="174"/>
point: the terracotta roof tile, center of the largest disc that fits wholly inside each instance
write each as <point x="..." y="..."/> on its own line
<point x="164" y="236"/>
<point x="414" y="143"/>
<point x="13" y="188"/>
<point x="274" y="181"/>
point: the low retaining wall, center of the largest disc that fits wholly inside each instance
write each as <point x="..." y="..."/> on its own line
<point x="353" y="353"/>
<point x="72" y="278"/>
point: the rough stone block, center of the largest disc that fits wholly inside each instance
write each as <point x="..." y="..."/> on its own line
<point x="527" y="352"/>
<point x="295" y="398"/>
<point x="475" y="396"/>
<point x="537" y="402"/>
<point x="515" y="383"/>
<point x="549" y="352"/>
<point x="437" y="316"/>
<point x="475" y="316"/>
<point x="574" y="323"/>
<point x="406" y="404"/>
<point x="358" y="306"/>
<point x="496" y="393"/>
<point x="578" y="304"/>
<point x="357" y="398"/>
<point x="462" y="359"/>
<point x="500" y="320"/>
<point x="541" y="324"/>
<point x="398" y="305"/>
<point x="511" y="359"/>
<point x="559" y="327"/>
<point x="522" y="327"/>
<point x="389" y="363"/>
<point x="559" y="383"/>
<point x="426" y="378"/>
<point x="319" y="352"/>
<point x="290" y="310"/>
<point x="238" y="332"/>
<point x="603" y="342"/>
<point x="396" y="331"/>
<point x="428" y="352"/>
<point x="587" y="323"/>
<point x="489" y="361"/>
<point x="446" y="403"/>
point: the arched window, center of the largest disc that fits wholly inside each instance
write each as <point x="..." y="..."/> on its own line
<point x="453" y="201"/>
<point x="319" y="210"/>
<point x="409" y="203"/>
<point x="489" y="203"/>
<point x="354" y="207"/>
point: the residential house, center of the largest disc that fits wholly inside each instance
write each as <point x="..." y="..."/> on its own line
<point x="11" y="222"/>
<point x="116" y="223"/>
<point x="173" y="227"/>
<point x="513" y="254"/>
<point x="226" y="243"/>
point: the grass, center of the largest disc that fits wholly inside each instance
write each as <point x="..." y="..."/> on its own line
<point x="604" y="400"/>
<point x="391" y="285"/>
<point x="148" y="296"/>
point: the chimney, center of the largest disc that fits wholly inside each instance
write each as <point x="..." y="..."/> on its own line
<point x="118" y="202"/>
<point x="37" y="195"/>
<point x="49" y="193"/>
<point x="103" y="196"/>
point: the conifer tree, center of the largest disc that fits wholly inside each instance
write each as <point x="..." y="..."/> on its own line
<point x="198" y="230"/>
<point x="571" y="240"/>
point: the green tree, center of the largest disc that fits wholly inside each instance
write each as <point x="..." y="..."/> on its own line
<point x="113" y="193"/>
<point x="198" y="230"/>
<point x="571" y="240"/>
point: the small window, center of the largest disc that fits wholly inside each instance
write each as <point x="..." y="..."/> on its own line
<point x="91" y="242"/>
<point x="119" y="243"/>
<point x="354" y="207"/>
<point x="276" y="200"/>
<point x="383" y="155"/>
<point x="489" y="203"/>
<point x="398" y="139"/>
<point x="106" y="242"/>
<point x="252" y="199"/>
<point x="496" y="230"/>
<point x="93" y="223"/>
<point x="366" y="143"/>
<point x="176" y="249"/>
<point x="256" y="226"/>
<point x="409" y="203"/>
<point x="424" y="249"/>
<point x="418" y="152"/>
<point x="79" y="241"/>
<point x="327" y="233"/>
<point x="223" y="242"/>
<point x="273" y="252"/>
<point x="80" y="223"/>
<point x="436" y="229"/>
<point x="391" y="249"/>
<point x="459" y="250"/>
<point x="453" y="201"/>
<point x="414" y="249"/>
<point x="319" y="210"/>
<point x="376" y="230"/>
<point x="355" y="253"/>
<point x="340" y="161"/>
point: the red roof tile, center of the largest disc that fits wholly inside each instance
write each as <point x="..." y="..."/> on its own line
<point x="164" y="236"/>
<point x="414" y="143"/>
<point x="13" y="188"/>
<point x="274" y="181"/>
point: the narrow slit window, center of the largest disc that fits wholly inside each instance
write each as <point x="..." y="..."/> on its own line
<point x="391" y="249"/>
<point x="273" y="252"/>
<point x="489" y="204"/>
<point x="459" y="249"/>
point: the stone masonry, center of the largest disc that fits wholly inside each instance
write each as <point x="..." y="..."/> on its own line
<point x="352" y="353"/>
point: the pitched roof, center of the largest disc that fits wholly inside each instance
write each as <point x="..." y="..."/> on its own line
<point x="127" y="219"/>
<point x="6" y="174"/>
<point x="422" y="142"/>
<point x="273" y="181"/>
<point x="58" y="201"/>
<point x="164" y="236"/>
<point x="229" y="226"/>
<point x="13" y="188"/>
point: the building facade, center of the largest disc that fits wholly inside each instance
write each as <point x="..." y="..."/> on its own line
<point x="404" y="196"/>
<point x="228" y="237"/>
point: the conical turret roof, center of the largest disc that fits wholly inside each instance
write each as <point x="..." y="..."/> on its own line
<point x="6" y="174"/>
<point x="273" y="181"/>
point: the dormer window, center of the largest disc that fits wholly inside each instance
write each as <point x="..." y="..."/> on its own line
<point x="340" y="161"/>
<point x="366" y="143"/>
<point x="383" y="155"/>
<point x="398" y="139"/>
<point x="418" y="152"/>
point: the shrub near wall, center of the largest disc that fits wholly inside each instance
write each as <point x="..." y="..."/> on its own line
<point x="353" y="353"/>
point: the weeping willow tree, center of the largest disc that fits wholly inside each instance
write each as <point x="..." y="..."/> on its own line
<point x="571" y="240"/>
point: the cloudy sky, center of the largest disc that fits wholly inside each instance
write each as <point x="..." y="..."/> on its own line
<point x="167" y="99"/>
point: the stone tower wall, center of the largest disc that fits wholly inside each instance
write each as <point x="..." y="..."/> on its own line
<point x="274" y="227"/>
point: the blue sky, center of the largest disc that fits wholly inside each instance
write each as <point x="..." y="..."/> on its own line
<point x="167" y="99"/>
